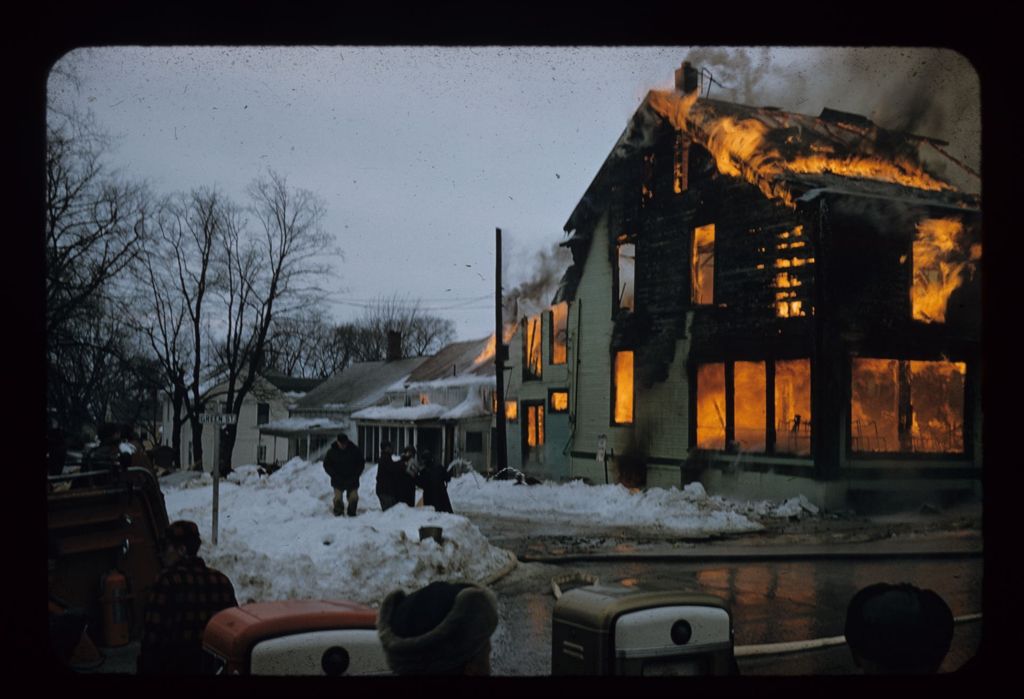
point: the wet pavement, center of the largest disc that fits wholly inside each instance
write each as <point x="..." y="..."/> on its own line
<point x="790" y="582"/>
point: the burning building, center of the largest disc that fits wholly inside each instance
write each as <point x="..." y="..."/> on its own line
<point x="770" y="302"/>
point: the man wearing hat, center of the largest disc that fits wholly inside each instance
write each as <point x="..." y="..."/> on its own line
<point x="183" y="599"/>
<point x="441" y="629"/>
<point x="344" y="464"/>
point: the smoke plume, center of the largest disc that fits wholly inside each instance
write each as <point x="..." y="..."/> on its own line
<point x="535" y="278"/>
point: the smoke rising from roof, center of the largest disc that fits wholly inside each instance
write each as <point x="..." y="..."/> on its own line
<point x="535" y="278"/>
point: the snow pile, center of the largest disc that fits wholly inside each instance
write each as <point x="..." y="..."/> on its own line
<point x="689" y="512"/>
<point x="793" y="508"/>
<point x="278" y="539"/>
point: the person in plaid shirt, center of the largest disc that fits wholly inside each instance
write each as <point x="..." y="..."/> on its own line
<point x="183" y="599"/>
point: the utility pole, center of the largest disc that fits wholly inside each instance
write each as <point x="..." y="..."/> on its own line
<point x="499" y="358"/>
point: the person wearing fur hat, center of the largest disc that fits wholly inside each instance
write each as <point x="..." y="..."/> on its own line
<point x="898" y="629"/>
<point x="441" y="629"/>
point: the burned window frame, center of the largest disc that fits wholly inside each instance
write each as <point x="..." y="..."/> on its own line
<point x="538" y="406"/>
<point x="528" y="370"/>
<point x="904" y="414"/>
<point x="793" y="258"/>
<point x="693" y="264"/>
<point x="681" y="163"/>
<point x="553" y="332"/>
<point x="617" y="293"/>
<point x="551" y="404"/>
<point x="613" y="393"/>
<point x="771" y="447"/>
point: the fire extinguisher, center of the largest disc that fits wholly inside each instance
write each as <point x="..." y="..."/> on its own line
<point x="114" y="600"/>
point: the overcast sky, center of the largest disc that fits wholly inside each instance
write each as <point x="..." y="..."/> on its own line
<point x="419" y="153"/>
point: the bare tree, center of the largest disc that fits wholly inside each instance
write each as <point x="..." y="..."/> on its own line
<point x="177" y="273"/>
<point x="299" y="344"/>
<point x="421" y="332"/>
<point x="94" y="220"/>
<point x="94" y="229"/>
<point x="275" y="268"/>
<point x="173" y="281"/>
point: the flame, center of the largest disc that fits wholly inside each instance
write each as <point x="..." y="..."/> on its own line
<point x="939" y="261"/>
<point x="535" y="425"/>
<point x="623" y="387"/>
<point x="488" y="352"/>
<point x="742" y="148"/>
<point x="560" y="401"/>
<point x="560" y="328"/>
<point x="874" y="405"/>
<point x="492" y="345"/>
<point x="511" y="410"/>
<point x="930" y="392"/>
<point x="937" y="396"/>
<point x="793" y="406"/>
<point x="702" y="265"/>
<point x="711" y="406"/>
<point x="532" y="352"/>
<point x="749" y="411"/>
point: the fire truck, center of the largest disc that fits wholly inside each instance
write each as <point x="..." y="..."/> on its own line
<point x="104" y="535"/>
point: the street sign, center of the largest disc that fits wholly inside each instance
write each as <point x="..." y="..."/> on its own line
<point x="217" y="419"/>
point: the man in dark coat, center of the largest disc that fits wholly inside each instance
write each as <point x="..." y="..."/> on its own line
<point x="184" y="598"/>
<point x="433" y="478"/>
<point x="405" y="477"/>
<point x="344" y="464"/>
<point x="387" y="471"/>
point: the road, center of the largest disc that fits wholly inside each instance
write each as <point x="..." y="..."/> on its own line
<point x="770" y="602"/>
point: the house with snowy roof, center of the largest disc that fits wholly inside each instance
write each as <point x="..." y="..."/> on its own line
<point x="768" y="302"/>
<point x="270" y="399"/>
<point x="316" y="419"/>
<point x="445" y="405"/>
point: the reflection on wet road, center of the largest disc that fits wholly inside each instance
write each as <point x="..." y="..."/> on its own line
<point x="770" y="602"/>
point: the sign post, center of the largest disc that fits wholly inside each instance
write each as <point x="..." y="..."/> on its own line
<point x="219" y="420"/>
<point x="602" y="454"/>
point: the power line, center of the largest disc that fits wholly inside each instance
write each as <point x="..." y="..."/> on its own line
<point x="463" y="306"/>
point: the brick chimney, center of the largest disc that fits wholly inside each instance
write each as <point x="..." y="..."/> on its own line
<point x="687" y="78"/>
<point x="394" y="345"/>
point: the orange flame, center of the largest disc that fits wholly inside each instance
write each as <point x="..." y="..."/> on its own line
<point x="711" y="406"/>
<point x="939" y="261"/>
<point x="623" y="387"/>
<point x="793" y="406"/>
<point x="749" y="407"/>
<point x="560" y="325"/>
<point x="740" y="149"/>
<point x="533" y="358"/>
<point x="560" y="401"/>
<point x="491" y="347"/>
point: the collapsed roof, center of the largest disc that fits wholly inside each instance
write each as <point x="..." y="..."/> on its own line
<point x="785" y="154"/>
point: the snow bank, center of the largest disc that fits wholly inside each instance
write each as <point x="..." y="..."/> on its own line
<point x="689" y="512"/>
<point x="278" y="539"/>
